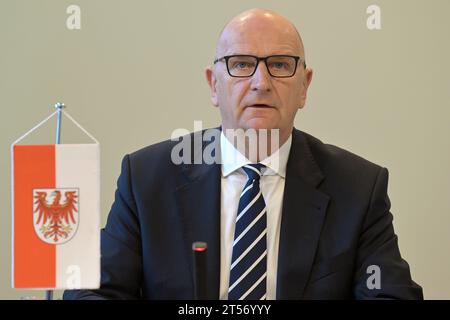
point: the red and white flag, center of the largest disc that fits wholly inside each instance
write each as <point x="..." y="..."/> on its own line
<point x="56" y="216"/>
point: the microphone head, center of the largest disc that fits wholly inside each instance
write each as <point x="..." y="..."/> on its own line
<point x="199" y="246"/>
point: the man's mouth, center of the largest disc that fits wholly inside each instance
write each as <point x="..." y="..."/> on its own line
<point x="260" y="105"/>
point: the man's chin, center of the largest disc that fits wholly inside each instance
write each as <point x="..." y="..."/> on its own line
<point x="259" y="123"/>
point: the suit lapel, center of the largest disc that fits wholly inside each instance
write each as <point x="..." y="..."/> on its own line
<point x="303" y="214"/>
<point x="198" y="202"/>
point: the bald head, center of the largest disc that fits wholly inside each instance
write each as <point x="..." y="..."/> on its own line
<point x="260" y="26"/>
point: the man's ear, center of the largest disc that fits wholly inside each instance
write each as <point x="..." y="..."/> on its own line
<point x="211" y="78"/>
<point x="307" y="78"/>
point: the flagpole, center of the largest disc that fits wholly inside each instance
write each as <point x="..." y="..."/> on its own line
<point x="58" y="106"/>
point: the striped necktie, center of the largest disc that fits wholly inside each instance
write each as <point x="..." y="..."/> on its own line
<point x="249" y="258"/>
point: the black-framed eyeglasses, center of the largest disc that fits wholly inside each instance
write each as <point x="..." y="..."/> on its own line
<point x="244" y="66"/>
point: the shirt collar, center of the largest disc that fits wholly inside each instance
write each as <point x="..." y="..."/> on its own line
<point x="232" y="159"/>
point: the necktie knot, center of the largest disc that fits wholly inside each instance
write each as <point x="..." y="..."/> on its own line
<point x="253" y="171"/>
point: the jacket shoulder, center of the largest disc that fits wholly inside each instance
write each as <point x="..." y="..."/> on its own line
<point x="331" y="158"/>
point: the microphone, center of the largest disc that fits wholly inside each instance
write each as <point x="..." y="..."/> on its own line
<point x="199" y="250"/>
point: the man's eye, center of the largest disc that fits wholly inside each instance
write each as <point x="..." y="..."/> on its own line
<point x="279" y="65"/>
<point x="242" y="65"/>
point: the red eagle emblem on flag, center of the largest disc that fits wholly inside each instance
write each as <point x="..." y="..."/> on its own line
<point x="55" y="214"/>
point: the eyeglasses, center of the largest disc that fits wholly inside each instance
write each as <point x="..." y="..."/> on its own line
<point x="244" y="66"/>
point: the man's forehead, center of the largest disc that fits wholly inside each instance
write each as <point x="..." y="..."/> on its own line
<point x="261" y="31"/>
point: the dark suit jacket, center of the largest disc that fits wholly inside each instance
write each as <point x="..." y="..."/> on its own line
<point x="335" y="223"/>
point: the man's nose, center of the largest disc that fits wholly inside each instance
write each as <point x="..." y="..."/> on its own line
<point x="261" y="79"/>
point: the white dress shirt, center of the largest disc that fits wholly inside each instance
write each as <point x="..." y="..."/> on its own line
<point x="272" y="188"/>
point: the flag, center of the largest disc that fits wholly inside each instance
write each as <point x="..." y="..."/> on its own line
<point x="56" y="216"/>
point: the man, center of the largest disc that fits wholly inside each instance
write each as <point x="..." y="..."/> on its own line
<point x="310" y="221"/>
